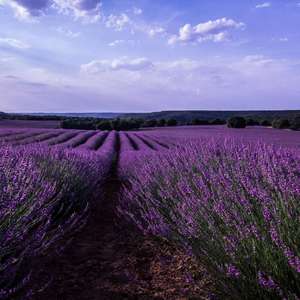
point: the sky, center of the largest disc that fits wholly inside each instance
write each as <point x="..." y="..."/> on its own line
<point x="149" y="55"/>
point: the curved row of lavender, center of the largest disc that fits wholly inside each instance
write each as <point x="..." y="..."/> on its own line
<point x="48" y="179"/>
<point x="134" y="146"/>
<point x="45" y="195"/>
<point x="233" y="204"/>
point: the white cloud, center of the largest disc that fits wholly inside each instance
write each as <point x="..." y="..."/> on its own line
<point x="116" y="43"/>
<point x="216" y="31"/>
<point x="264" y="5"/>
<point x="181" y="64"/>
<point x="217" y="83"/>
<point x="257" y="60"/>
<point x="124" y="63"/>
<point x="120" y="42"/>
<point x="23" y="12"/>
<point x="153" y="31"/>
<point x="27" y="10"/>
<point x="283" y="39"/>
<point x="89" y="11"/>
<point x="67" y="32"/>
<point x="137" y="11"/>
<point x="14" y="43"/>
<point x="117" y="22"/>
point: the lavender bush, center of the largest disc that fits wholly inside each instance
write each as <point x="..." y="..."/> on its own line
<point x="44" y="195"/>
<point x="233" y="204"/>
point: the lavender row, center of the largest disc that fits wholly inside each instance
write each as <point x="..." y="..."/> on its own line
<point x="235" y="205"/>
<point x="138" y="142"/>
<point x="126" y="144"/>
<point x="132" y="148"/>
<point x="108" y="150"/>
<point x="45" y="193"/>
<point x="62" y="138"/>
<point x="19" y="136"/>
<point x="39" y="138"/>
<point x="95" y="142"/>
<point x="154" y="143"/>
<point x="79" y="139"/>
<point x="8" y="132"/>
<point x="162" y="143"/>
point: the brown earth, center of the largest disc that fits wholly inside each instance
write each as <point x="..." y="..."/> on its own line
<point x="109" y="259"/>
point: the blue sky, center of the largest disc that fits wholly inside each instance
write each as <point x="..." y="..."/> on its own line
<point x="149" y="55"/>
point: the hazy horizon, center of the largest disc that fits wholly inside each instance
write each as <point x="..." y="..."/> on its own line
<point x="146" y="56"/>
<point x="141" y="112"/>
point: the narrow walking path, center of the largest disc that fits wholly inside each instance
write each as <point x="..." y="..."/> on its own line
<point x="109" y="259"/>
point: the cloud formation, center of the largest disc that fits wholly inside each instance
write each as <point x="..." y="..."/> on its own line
<point x="13" y="43"/>
<point x="257" y="60"/>
<point x="25" y="10"/>
<point x="67" y="32"/>
<point x="264" y="5"/>
<point x="216" y="31"/>
<point x="117" y="22"/>
<point x="213" y="83"/>
<point x="33" y="5"/>
<point x="153" y="31"/>
<point x="116" y="43"/>
<point x="89" y="11"/>
<point x="137" y="11"/>
<point x="86" y="10"/>
<point x="124" y="63"/>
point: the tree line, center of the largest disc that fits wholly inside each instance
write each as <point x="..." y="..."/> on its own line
<point x="125" y="124"/>
<point x="115" y="124"/>
<point x="279" y="123"/>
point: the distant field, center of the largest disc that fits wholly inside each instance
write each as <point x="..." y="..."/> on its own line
<point x="28" y="124"/>
<point x="27" y="132"/>
<point x="278" y="137"/>
<point x="170" y="134"/>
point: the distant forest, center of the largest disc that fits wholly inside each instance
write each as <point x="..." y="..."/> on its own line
<point x="133" y="121"/>
<point x="189" y="115"/>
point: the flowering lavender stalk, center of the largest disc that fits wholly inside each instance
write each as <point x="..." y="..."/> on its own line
<point x="21" y="136"/>
<point x="235" y="204"/>
<point x="39" y="138"/>
<point x="45" y="194"/>
<point x="160" y="144"/>
<point x="126" y="144"/>
<point x="79" y="139"/>
<point x="132" y="149"/>
<point x="94" y="142"/>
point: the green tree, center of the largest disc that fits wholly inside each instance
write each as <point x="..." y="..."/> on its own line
<point x="172" y="122"/>
<point x="236" y="122"/>
<point x="281" y="123"/>
<point x="295" y="123"/>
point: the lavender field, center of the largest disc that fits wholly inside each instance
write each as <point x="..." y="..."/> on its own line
<point x="149" y="150"/>
<point x="228" y="199"/>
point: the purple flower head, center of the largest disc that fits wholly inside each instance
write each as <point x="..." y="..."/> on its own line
<point x="266" y="281"/>
<point x="232" y="271"/>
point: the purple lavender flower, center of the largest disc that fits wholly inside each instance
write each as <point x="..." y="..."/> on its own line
<point x="232" y="271"/>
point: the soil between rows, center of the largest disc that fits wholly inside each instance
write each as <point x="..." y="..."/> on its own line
<point x="109" y="259"/>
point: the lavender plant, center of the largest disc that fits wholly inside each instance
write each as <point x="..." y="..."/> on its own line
<point x="94" y="142"/>
<point x="45" y="194"/>
<point x="233" y="204"/>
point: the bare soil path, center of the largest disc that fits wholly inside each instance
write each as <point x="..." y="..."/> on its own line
<point x="110" y="260"/>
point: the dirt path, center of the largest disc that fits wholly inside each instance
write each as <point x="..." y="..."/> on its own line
<point x="110" y="260"/>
